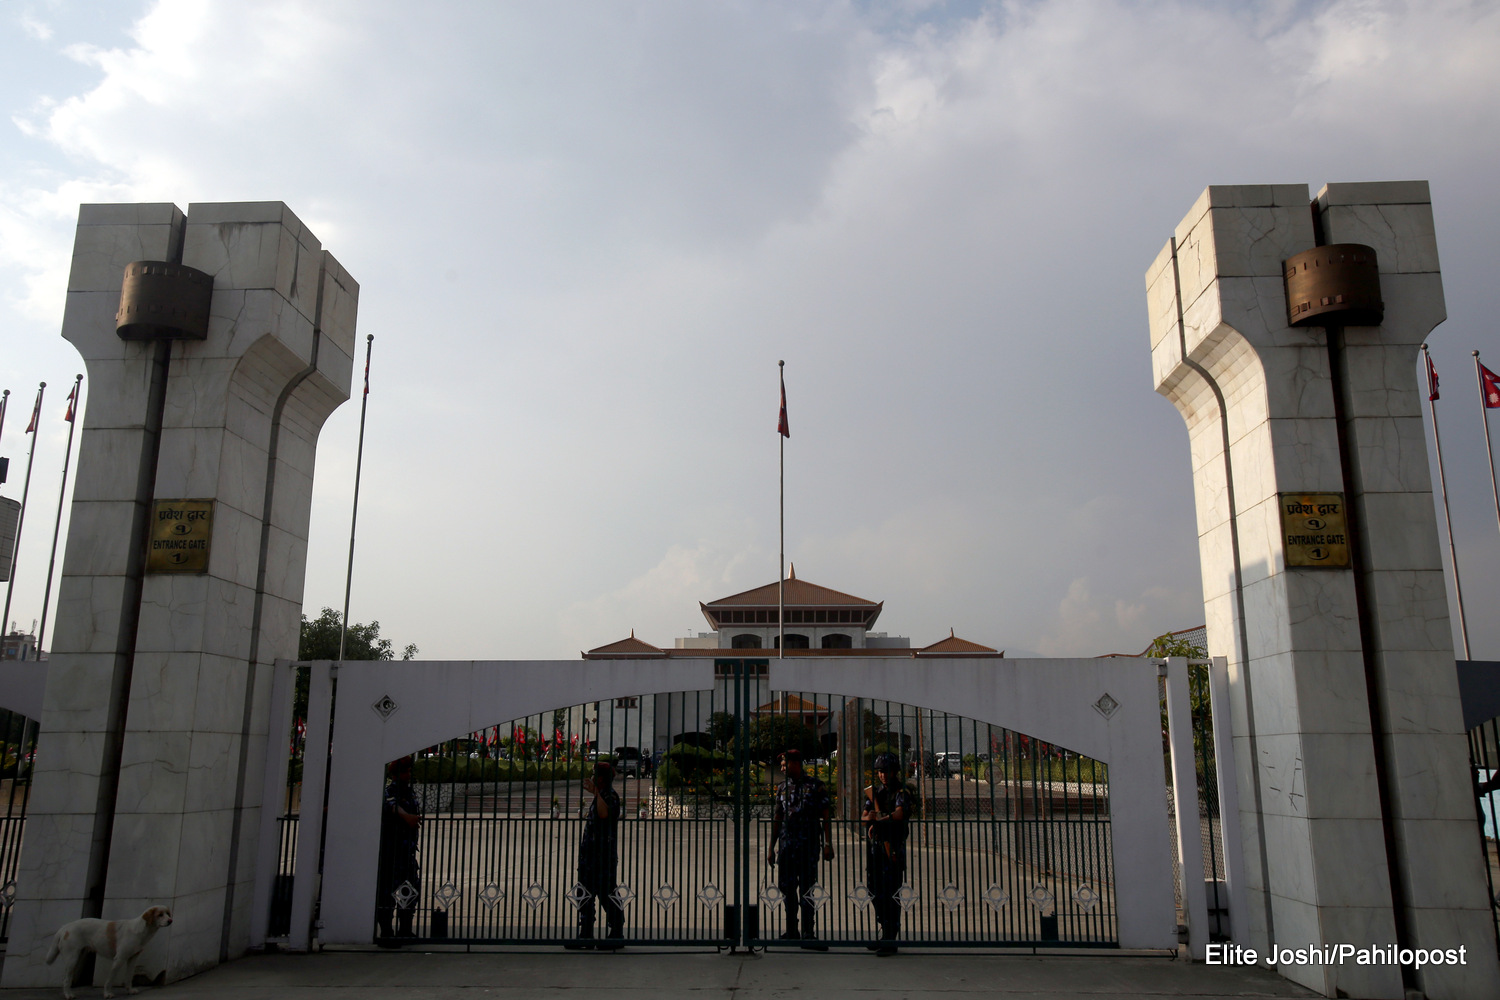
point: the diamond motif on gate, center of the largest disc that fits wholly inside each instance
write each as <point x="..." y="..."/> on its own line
<point x="578" y="895"/>
<point x="623" y="895"/>
<point x="665" y="896"/>
<point x="1086" y="897"/>
<point x="772" y="896"/>
<point x="951" y="896"/>
<point x="1040" y="897"/>
<point x="534" y="895"/>
<point x="1106" y="705"/>
<point x="385" y="707"/>
<point x="710" y="895"/>
<point x="446" y="894"/>
<point x="861" y="896"/>
<point x="817" y="896"/>
<point x="404" y="895"/>
<point x="8" y="893"/>
<point x="491" y="895"/>
<point x="996" y="898"/>
<point x="907" y="897"/>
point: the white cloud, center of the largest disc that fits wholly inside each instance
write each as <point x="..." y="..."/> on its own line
<point x="584" y="241"/>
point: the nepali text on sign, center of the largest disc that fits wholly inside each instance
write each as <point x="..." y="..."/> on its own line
<point x="1314" y="530"/>
<point x="181" y="531"/>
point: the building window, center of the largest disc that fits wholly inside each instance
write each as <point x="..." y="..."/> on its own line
<point x="745" y="641"/>
<point x="627" y="702"/>
<point x="835" y="640"/>
<point x="794" y="640"/>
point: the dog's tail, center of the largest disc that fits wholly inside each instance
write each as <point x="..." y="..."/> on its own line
<point x="56" y="946"/>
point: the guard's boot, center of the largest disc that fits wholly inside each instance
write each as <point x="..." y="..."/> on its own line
<point x="403" y="922"/>
<point x="791" y="933"/>
<point x="810" y="931"/>
<point x="383" y="935"/>
<point x="585" y="939"/>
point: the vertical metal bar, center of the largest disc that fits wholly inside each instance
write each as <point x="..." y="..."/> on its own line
<point x="314" y="778"/>
<point x="1229" y="800"/>
<point x="1185" y="796"/>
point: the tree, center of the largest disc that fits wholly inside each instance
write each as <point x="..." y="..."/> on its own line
<point x="1172" y="644"/>
<point x="320" y="640"/>
<point x="773" y="734"/>
<point x="721" y="729"/>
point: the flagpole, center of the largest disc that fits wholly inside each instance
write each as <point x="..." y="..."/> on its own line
<point x="781" y="571"/>
<point x="4" y="404"/>
<point x="359" y="462"/>
<point x="57" y="525"/>
<point x="1484" y="415"/>
<point x="1437" y="442"/>
<point x="10" y="587"/>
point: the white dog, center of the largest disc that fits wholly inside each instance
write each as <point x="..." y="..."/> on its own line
<point x="121" y="940"/>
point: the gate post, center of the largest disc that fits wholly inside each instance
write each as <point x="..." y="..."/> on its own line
<point x="217" y="342"/>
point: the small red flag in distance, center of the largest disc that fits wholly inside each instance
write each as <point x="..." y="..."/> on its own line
<point x="36" y="414"/>
<point x="782" y="427"/>
<point x="72" y="404"/>
<point x="1432" y="379"/>
<point x="1491" y="388"/>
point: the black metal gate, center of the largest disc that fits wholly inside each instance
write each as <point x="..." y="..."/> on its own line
<point x="1011" y="846"/>
<point x="17" y="756"/>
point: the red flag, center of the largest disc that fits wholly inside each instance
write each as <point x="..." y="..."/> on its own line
<point x="36" y="414"/>
<point x="1491" y="387"/>
<point x="367" y="373"/>
<point x="1432" y="378"/>
<point x="72" y="402"/>
<point x="781" y="425"/>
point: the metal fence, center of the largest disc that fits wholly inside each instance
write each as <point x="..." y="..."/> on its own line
<point x="17" y="755"/>
<point x="1484" y="758"/>
<point x="1011" y="846"/>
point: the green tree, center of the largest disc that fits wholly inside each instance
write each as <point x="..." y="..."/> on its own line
<point x="721" y="729"/>
<point x="773" y="734"/>
<point x="1169" y="644"/>
<point x="320" y="640"/>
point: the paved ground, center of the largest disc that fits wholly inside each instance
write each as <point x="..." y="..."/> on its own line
<point x="638" y="974"/>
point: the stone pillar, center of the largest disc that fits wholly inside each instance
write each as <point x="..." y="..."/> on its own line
<point x="155" y="717"/>
<point x="1357" y="811"/>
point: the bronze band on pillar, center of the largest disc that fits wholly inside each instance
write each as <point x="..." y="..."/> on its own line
<point x="1334" y="285"/>
<point x="163" y="301"/>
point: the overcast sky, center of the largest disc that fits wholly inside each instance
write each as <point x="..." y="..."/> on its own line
<point x="586" y="232"/>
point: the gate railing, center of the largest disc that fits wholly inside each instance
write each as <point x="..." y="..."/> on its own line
<point x="1012" y="846"/>
<point x="17" y="755"/>
<point x="1016" y="843"/>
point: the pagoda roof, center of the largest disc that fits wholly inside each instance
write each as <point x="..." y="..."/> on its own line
<point x="798" y="593"/>
<point x="953" y="645"/>
<point x="630" y="646"/>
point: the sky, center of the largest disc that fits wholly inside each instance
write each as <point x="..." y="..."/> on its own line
<point x="585" y="234"/>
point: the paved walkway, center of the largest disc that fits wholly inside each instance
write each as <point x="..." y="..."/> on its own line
<point x="640" y="974"/>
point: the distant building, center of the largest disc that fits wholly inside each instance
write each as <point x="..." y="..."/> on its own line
<point x="819" y="622"/>
<point x="19" y="645"/>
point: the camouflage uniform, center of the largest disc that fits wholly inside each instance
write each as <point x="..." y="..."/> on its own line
<point x="801" y="804"/>
<point x="885" y="853"/>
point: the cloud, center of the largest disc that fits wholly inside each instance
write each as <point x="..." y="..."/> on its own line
<point x="585" y="238"/>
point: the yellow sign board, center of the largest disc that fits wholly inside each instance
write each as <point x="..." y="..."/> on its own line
<point x="1314" y="530"/>
<point x="180" y="534"/>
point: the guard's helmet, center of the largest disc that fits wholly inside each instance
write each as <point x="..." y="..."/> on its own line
<point x="887" y="763"/>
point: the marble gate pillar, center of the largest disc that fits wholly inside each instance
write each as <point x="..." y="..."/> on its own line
<point x="1357" y="813"/>
<point x="153" y="730"/>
